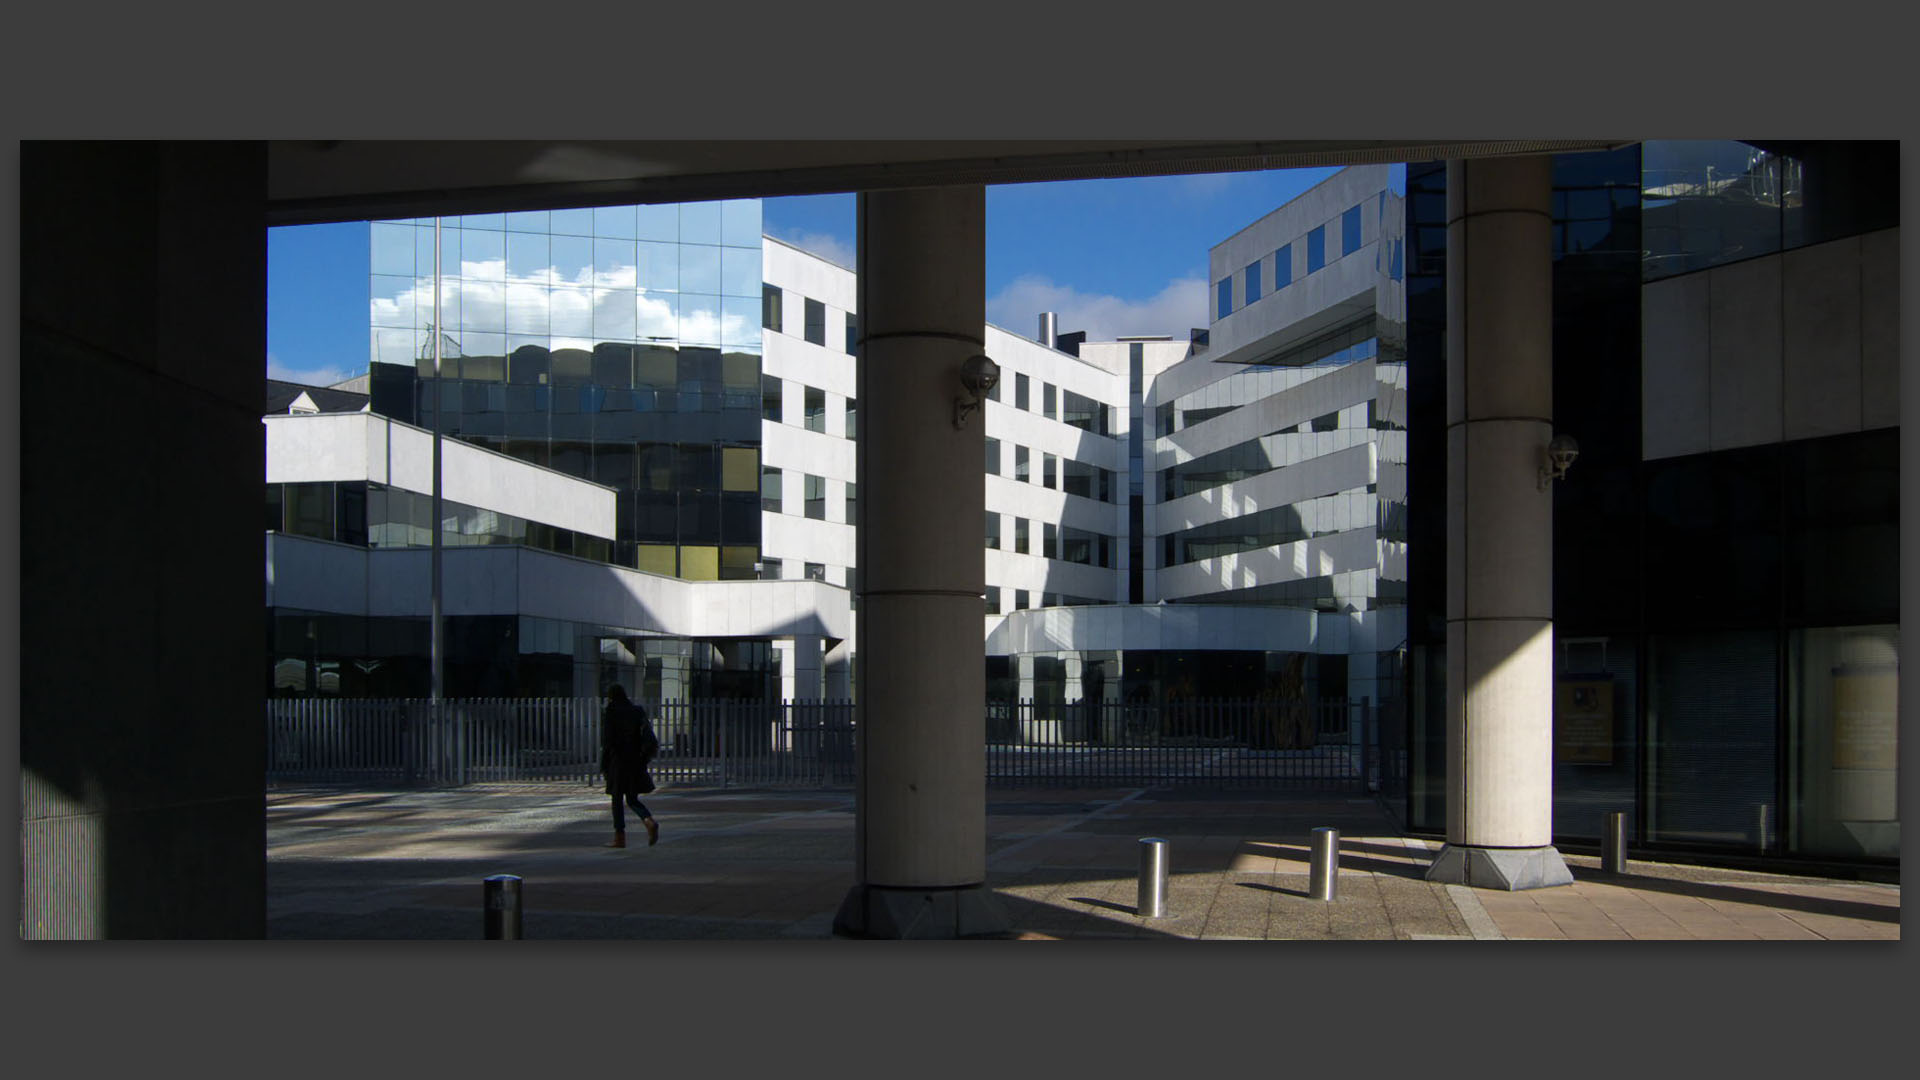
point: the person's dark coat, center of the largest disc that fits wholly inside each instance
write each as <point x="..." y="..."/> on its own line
<point x="627" y="745"/>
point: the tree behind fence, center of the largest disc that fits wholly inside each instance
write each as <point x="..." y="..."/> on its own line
<point x="411" y="743"/>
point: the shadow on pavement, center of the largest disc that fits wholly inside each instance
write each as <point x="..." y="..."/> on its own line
<point x="1738" y="894"/>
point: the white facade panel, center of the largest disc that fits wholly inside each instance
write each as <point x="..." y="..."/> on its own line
<point x="1820" y="329"/>
<point x="1880" y="329"/>
<point x="1674" y="382"/>
<point x="1744" y="388"/>
<point x="346" y="447"/>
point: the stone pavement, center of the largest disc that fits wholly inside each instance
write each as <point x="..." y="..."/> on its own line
<point x="769" y="865"/>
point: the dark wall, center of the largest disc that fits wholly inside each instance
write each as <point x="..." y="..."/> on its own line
<point x="143" y="331"/>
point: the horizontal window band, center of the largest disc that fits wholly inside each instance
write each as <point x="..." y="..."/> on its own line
<point x="923" y="592"/>
<point x="1501" y="420"/>
<point x="922" y="334"/>
<point x="1470" y="215"/>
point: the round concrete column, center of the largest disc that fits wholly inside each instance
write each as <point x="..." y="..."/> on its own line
<point x="1499" y="527"/>
<point x="920" y="803"/>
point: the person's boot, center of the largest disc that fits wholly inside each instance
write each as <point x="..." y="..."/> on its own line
<point x="619" y="838"/>
<point x="653" y="831"/>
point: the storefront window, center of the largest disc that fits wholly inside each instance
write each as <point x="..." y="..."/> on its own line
<point x="1843" y="709"/>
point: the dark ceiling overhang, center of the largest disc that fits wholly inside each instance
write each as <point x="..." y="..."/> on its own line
<point x="317" y="181"/>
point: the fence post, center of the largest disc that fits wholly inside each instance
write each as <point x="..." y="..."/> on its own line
<point x="1366" y="745"/>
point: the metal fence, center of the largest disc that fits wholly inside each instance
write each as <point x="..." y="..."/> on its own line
<point x="409" y="742"/>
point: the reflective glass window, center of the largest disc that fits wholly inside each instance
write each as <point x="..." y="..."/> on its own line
<point x="853" y="334"/>
<point x="1020" y="471"/>
<point x="771" y="391"/>
<point x="656" y="316"/>
<point x="572" y="259"/>
<point x="614" y="265"/>
<point x="816" y="571"/>
<point x="739" y="467"/>
<point x="392" y="248"/>
<point x="816" y="409"/>
<point x="528" y="221"/>
<point x="1253" y="282"/>
<point x="658" y="221"/>
<point x="1350" y="231"/>
<point x="852" y="502"/>
<point x="700" y="269"/>
<point x="1020" y="537"/>
<point x="771" y="316"/>
<point x="816" y="497"/>
<point x="816" y="322"/>
<point x="740" y="321"/>
<point x="527" y="258"/>
<point x="613" y="314"/>
<point x="659" y="266"/>
<point x="1021" y="600"/>
<point x="1283" y="267"/>
<point x="1048" y="399"/>
<point x="1223" y="305"/>
<point x="740" y="223"/>
<point x="699" y="319"/>
<point x="1049" y="471"/>
<point x="993" y="602"/>
<point x="575" y="222"/>
<point x="1050" y="540"/>
<point x="852" y="428"/>
<point x="1316" y="249"/>
<point x="614" y="222"/>
<point x="700" y="223"/>
<point x="483" y="254"/>
<point x="993" y="529"/>
<point x="770" y="489"/>
<point x="740" y="271"/>
<point x="993" y="457"/>
<point x="1019" y="391"/>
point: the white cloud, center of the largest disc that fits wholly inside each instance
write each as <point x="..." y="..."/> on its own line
<point x="320" y="376"/>
<point x="825" y="245"/>
<point x="1175" y="309"/>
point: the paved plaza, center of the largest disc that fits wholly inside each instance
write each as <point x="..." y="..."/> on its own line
<point x="770" y="865"/>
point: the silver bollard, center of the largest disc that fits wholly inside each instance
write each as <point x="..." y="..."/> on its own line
<point x="1326" y="863"/>
<point x="1613" y="845"/>
<point x="501" y="904"/>
<point x="1760" y="826"/>
<point x="1153" y="878"/>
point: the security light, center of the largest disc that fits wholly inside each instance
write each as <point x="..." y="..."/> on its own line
<point x="1557" y="457"/>
<point x="978" y="376"/>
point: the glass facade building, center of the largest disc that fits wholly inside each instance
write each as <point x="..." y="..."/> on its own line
<point x="1725" y="617"/>
<point x="616" y="344"/>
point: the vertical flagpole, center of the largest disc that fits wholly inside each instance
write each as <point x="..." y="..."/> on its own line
<point x="438" y="652"/>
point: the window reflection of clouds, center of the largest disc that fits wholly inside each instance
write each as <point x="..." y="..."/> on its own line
<point x="661" y="266"/>
<point x="657" y="315"/>
<point x="613" y="314"/>
<point x="569" y="288"/>
<point x="613" y="264"/>
<point x="699" y="268"/>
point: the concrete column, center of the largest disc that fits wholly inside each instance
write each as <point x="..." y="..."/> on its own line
<point x="141" y="809"/>
<point x="920" y="801"/>
<point x="837" y="673"/>
<point x="805" y="668"/>
<point x="1499" y="527"/>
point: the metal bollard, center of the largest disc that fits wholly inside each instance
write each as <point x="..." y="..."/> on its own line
<point x="1153" y="878"/>
<point x="1760" y="826"/>
<point x="1613" y="844"/>
<point x="1326" y="863"/>
<point x="501" y="905"/>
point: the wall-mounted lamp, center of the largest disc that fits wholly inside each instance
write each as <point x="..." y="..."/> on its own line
<point x="1556" y="458"/>
<point x="978" y="376"/>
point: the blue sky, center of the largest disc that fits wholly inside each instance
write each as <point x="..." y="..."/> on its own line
<point x="1111" y="257"/>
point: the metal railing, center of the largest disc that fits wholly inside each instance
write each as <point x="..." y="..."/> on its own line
<point x="1332" y="744"/>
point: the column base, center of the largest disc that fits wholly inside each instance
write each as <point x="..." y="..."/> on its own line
<point x="1508" y="869"/>
<point x="879" y="911"/>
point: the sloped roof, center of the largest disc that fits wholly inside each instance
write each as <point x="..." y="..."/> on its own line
<point x="281" y="394"/>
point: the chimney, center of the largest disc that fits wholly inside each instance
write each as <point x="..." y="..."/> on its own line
<point x="1047" y="328"/>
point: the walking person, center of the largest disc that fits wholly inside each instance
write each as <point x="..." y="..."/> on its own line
<point x="627" y="745"/>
